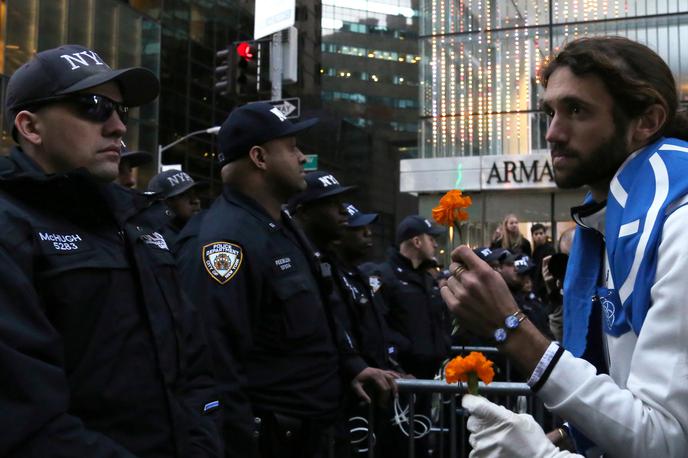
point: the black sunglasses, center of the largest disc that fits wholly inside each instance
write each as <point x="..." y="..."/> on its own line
<point x="91" y="107"/>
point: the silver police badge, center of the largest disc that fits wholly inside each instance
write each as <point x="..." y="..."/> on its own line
<point x="222" y="260"/>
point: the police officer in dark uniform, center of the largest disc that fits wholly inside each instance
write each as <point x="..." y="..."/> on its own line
<point x="128" y="162"/>
<point x="179" y="195"/>
<point x="261" y="291"/>
<point x="100" y="354"/>
<point x="374" y="338"/>
<point x="320" y="213"/>
<point x="416" y="309"/>
<point x="515" y="270"/>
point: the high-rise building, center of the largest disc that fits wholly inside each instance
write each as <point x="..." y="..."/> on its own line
<point x="123" y="37"/>
<point x="481" y="129"/>
<point x="192" y="33"/>
<point x="370" y="69"/>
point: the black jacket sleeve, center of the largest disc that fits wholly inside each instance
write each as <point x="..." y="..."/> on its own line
<point x="200" y="390"/>
<point x="226" y="312"/>
<point x="34" y="393"/>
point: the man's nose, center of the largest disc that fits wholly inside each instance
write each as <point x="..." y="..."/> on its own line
<point x="557" y="131"/>
<point x="114" y="126"/>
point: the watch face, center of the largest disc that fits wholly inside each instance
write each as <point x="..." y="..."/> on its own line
<point x="511" y="322"/>
<point x="500" y="335"/>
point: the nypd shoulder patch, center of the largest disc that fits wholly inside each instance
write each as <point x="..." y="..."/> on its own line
<point x="375" y="283"/>
<point x="222" y="260"/>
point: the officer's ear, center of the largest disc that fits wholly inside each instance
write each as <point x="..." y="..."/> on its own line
<point x="28" y="127"/>
<point x="417" y="242"/>
<point x="257" y="156"/>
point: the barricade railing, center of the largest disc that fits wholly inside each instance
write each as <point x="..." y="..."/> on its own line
<point x="444" y="423"/>
<point x="456" y="431"/>
<point x="446" y="432"/>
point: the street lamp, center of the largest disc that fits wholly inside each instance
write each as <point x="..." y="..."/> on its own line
<point x="210" y="130"/>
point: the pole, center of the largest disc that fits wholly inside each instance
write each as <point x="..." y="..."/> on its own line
<point x="276" y="66"/>
<point x="211" y="130"/>
<point x="159" y="158"/>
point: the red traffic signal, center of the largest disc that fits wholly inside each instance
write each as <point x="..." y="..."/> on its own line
<point x="246" y="51"/>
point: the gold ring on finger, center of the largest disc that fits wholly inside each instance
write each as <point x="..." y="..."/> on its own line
<point x="458" y="271"/>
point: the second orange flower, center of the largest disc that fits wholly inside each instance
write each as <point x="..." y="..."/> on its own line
<point x="469" y="369"/>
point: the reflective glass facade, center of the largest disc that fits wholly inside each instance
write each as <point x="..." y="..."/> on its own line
<point x="121" y="35"/>
<point x="192" y="31"/>
<point x="369" y="75"/>
<point x="480" y="60"/>
<point x="370" y="63"/>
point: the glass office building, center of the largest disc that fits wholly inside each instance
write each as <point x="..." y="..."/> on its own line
<point x="121" y="35"/>
<point x="370" y="62"/>
<point x="481" y="129"/>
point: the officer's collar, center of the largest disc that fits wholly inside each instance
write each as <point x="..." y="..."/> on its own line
<point x="252" y="206"/>
<point x="402" y="261"/>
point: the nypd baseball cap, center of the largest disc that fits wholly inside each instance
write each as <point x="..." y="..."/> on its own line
<point x="414" y="225"/>
<point x="73" y="68"/>
<point x="357" y="218"/>
<point x="135" y="158"/>
<point x="523" y="264"/>
<point x="254" y="124"/>
<point x="319" y="185"/>
<point x="172" y="183"/>
<point x="490" y="256"/>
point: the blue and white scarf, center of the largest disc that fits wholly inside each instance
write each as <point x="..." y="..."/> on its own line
<point x="649" y="186"/>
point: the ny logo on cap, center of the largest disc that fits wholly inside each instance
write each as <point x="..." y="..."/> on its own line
<point x="78" y="59"/>
<point x="178" y="178"/>
<point x="279" y="114"/>
<point x="427" y="223"/>
<point x="351" y="210"/>
<point x="523" y="262"/>
<point x="486" y="252"/>
<point x="328" y="180"/>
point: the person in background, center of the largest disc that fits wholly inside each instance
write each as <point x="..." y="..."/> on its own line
<point x="542" y="247"/>
<point x="511" y="238"/>
<point x="179" y="192"/>
<point x="128" y="162"/>
<point x="320" y="212"/>
<point x="416" y="310"/>
<point x="553" y="275"/>
<point x="516" y="271"/>
<point x="353" y="248"/>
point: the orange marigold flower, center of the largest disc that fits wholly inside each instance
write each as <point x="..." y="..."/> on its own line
<point x="459" y="368"/>
<point x="452" y="208"/>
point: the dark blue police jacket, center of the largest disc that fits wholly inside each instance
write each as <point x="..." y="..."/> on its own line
<point x="271" y="339"/>
<point x="100" y="354"/>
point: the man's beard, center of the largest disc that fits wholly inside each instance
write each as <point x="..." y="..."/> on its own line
<point x="598" y="167"/>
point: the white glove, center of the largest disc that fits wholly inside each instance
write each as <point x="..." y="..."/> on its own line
<point x="498" y="432"/>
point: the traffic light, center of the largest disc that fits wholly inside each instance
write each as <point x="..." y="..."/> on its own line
<point x="247" y="68"/>
<point x="222" y="71"/>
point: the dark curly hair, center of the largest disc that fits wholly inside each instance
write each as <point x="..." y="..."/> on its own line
<point x="635" y="76"/>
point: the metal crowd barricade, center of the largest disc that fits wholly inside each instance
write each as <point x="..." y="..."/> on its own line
<point x="457" y="429"/>
<point x="450" y="441"/>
